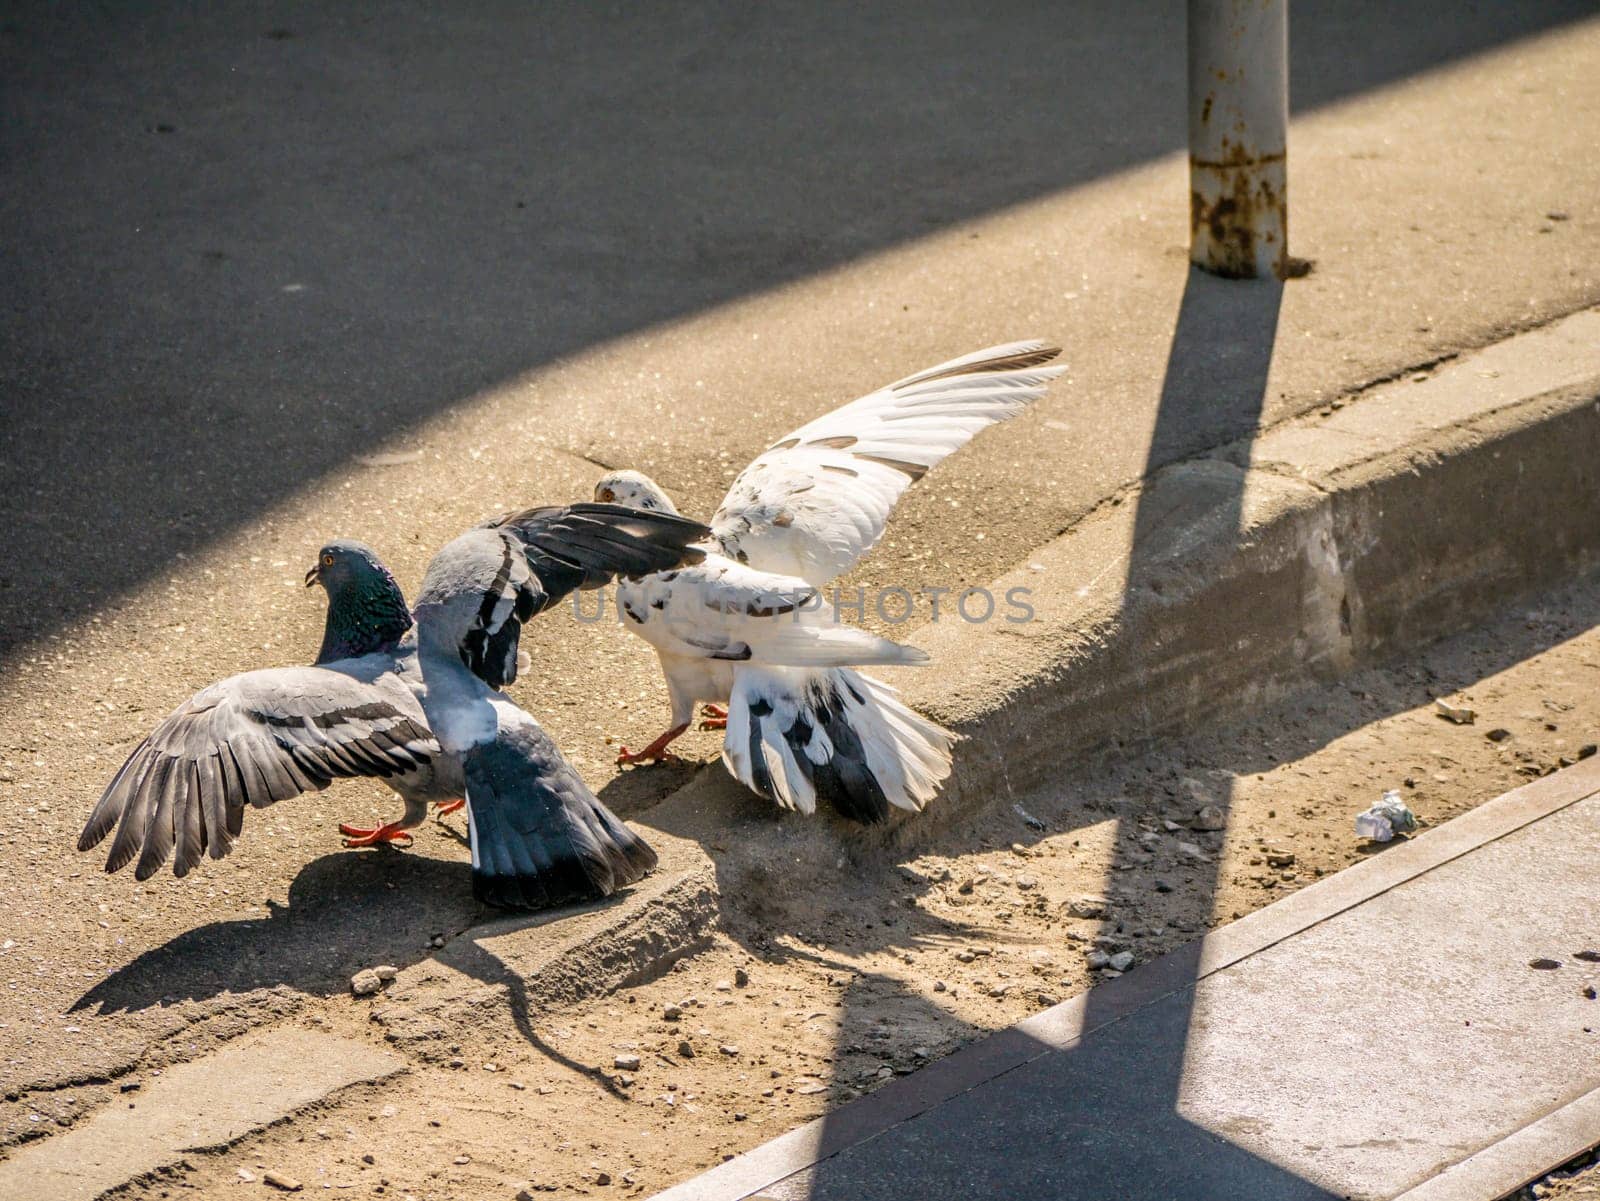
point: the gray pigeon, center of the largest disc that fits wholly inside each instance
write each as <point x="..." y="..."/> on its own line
<point x="417" y="707"/>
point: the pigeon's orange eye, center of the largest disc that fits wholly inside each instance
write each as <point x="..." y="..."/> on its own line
<point x="607" y="496"/>
<point x="327" y="560"/>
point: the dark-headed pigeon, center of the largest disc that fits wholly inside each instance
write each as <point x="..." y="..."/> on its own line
<point x="799" y="723"/>
<point x="418" y="707"/>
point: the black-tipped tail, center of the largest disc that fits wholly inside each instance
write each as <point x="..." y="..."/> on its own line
<point x="539" y="836"/>
<point x="795" y="736"/>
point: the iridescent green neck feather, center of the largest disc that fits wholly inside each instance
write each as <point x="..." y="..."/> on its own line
<point x="366" y="613"/>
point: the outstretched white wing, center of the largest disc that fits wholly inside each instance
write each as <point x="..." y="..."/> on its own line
<point x="817" y="500"/>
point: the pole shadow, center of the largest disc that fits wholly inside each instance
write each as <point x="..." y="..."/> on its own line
<point x="1100" y="1117"/>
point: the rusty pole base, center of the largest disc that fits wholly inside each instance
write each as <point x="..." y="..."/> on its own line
<point x="1238" y="135"/>
<point x="1239" y="217"/>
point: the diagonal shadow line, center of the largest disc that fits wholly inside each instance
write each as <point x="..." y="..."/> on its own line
<point x="473" y="191"/>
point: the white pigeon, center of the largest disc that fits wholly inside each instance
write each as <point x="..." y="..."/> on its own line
<point x="746" y="627"/>
<point x="418" y="707"/>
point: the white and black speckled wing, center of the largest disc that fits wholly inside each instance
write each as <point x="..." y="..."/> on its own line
<point x="817" y="500"/>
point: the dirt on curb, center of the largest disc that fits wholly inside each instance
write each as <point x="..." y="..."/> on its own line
<point x="821" y="989"/>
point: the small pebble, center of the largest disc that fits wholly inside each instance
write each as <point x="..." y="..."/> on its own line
<point x="279" y="1181"/>
<point x="1087" y="906"/>
<point x="365" y="982"/>
<point x="741" y="978"/>
<point x="1122" y="961"/>
<point x="1544" y="965"/>
<point x="627" y="1063"/>
<point x="686" y="1048"/>
<point x="672" y="1013"/>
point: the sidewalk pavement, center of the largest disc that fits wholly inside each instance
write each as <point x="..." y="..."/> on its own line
<point x="280" y="279"/>
<point x="1388" y="1032"/>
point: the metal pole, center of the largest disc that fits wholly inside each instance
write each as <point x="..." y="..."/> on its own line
<point x="1238" y="124"/>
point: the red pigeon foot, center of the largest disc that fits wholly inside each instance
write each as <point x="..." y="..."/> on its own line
<point x="367" y="836"/>
<point x="656" y="751"/>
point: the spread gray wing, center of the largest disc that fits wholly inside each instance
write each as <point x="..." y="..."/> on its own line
<point x="252" y="739"/>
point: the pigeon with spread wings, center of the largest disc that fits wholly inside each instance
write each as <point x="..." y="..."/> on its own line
<point x="745" y="626"/>
<point x="417" y="706"/>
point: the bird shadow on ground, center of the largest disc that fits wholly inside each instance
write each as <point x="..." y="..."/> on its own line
<point x="347" y="910"/>
<point x="487" y="968"/>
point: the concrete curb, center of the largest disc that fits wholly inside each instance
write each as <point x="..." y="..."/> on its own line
<point x="1223" y="583"/>
<point x="527" y="964"/>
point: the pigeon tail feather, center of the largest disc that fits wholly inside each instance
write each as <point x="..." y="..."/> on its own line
<point x="540" y="837"/>
<point x="796" y="736"/>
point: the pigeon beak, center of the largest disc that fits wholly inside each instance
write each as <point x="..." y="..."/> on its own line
<point x="313" y="576"/>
